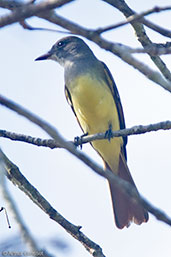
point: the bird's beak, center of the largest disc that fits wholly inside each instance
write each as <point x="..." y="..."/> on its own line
<point x="44" y="57"/>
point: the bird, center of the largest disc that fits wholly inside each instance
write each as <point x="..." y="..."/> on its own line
<point x="94" y="98"/>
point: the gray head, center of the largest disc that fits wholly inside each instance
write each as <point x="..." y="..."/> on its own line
<point x="68" y="49"/>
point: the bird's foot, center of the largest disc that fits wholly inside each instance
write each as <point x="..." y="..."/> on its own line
<point x="108" y="133"/>
<point x="78" y="140"/>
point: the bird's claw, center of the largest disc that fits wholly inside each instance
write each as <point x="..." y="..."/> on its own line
<point x="108" y="133"/>
<point x="78" y="140"/>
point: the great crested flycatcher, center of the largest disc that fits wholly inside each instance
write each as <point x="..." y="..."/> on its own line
<point x="93" y="96"/>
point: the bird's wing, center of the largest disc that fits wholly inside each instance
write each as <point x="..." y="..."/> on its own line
<point x="111" y="84"/>
<point x="69" y="100"/>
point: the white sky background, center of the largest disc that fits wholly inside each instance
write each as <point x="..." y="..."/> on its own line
<point x="73" y="189"/>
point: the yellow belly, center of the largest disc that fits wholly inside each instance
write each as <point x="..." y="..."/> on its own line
<point x="95" y="109"/>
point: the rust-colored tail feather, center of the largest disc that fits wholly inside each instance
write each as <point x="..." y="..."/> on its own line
<point x="126" y="211"/>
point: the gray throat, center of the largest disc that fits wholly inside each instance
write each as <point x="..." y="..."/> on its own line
<point x="73" y="69"/>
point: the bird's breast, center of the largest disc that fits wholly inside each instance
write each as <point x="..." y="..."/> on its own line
<point x="95" y="109"/>
<point x="94" y="104"/>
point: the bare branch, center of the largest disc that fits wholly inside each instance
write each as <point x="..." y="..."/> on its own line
<point x="25" y="25"/>
<point x="28" y="10"/>
<point x="154" y="49"/>
<point x="15" y="176"/>
<point x="28" y="139"/>
<point x="141" y="34"/>
<point x="135" y="17"/>
<point x="123" y="185"/>
<point x="157" y="28"/>
<point x="136" y="130"/>
<point x="144" y="69"/>
<point x="30" y="242"/>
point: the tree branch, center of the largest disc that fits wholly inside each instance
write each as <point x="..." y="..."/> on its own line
<point x="28" y="239"/>
<point x="25" y="25"/>
<point x="157" y="28"/>
<point x="135" y="17"/>
<point x="141" y="34"/>
<point x="136" y="130"/>
<point x="154" y="49"/>
<point x="23" y="11"/>
<point x="28" y="139"/>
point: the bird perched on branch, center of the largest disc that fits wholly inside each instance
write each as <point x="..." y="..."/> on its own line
<point x="93" y="96"/>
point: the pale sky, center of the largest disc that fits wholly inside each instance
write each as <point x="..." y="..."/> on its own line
<point x="74" y="190"/>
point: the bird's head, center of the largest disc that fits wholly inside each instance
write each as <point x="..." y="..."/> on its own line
<point x="67" y="49"/>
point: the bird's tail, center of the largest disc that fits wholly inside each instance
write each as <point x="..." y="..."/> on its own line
<point x="125" y="210"/>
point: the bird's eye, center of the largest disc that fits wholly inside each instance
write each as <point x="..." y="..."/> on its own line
<point x="60" y="43"/>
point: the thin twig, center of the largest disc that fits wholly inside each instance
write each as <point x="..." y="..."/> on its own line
<point x="136" y="130"/>
<point x="157" y="28"/>
<point x="135" y="17"/>
<point x="4" y="209"/>
<point x="123" y="185"/>
<point x="25" y="25"/>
